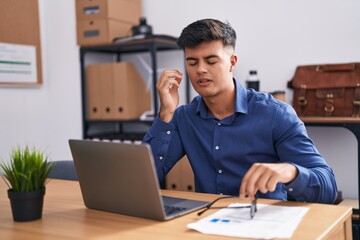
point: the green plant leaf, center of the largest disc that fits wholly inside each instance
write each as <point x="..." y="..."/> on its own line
<point x="27" y="170"/>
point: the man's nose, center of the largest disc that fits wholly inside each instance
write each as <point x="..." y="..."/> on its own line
<point x="202" y="67"/>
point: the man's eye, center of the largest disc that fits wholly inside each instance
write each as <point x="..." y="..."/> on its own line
<point x="192" y="63"/>
<point x="211" y="63"/>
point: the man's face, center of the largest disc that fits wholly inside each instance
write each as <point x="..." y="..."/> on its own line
<point x="209" y="66"/>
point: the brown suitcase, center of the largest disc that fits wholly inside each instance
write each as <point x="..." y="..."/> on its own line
<point x="327" y="90"/>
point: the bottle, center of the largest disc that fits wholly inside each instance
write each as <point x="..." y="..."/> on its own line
<point x="253" y="80"/>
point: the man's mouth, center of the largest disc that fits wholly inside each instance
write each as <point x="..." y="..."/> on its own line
<point x="203" y="81"/>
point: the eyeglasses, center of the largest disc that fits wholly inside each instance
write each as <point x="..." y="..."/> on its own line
<point x="252" y="206"/>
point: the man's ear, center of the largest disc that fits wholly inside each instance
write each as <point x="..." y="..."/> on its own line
<point x="233" y="61"/>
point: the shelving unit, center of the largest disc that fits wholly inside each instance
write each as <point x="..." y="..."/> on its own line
<point x="353" y="125"/>
<point x="118" y="129"/>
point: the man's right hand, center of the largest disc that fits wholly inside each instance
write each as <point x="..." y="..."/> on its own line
<point x="167" y="87"/>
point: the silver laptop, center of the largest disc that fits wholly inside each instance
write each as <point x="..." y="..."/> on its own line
<point x="121" y="178"/>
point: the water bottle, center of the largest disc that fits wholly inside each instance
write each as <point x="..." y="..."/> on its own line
<point x="253" y="80"/>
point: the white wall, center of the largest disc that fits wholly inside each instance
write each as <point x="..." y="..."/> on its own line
<point x="48" y="116"/>
<point x="273" y="37"/>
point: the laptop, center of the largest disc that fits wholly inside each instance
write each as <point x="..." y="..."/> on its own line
<point x="121" y="178"/>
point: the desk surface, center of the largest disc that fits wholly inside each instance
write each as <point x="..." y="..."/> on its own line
<point x="66" y="217"/>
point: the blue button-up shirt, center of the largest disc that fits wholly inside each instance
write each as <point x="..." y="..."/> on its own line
<point x="261" y="130"/>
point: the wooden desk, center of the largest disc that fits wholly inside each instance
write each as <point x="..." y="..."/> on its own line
<point x="65" y="217"/>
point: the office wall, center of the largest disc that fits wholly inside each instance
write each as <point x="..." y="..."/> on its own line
<point x="273" y="37"/>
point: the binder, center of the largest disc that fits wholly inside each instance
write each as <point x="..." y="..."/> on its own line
<point x="106" y="90"/>
<point x="117" y="90"/>
<point x="131" y="95"/>
<point x="181" y="176"/>
<point x="92" y="93"/>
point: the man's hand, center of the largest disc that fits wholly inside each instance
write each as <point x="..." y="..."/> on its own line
<point x="167" y="87"/>
<point x="263" y="177"/>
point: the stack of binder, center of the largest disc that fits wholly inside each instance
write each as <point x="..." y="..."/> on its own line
<point x="116" y="91"/>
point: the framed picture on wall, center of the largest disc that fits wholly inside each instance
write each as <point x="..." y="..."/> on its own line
<point x="20" y="45"/>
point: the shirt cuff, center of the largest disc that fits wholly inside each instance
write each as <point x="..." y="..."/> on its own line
<point x="297" y="187"/>
<point x="159" y="127"/>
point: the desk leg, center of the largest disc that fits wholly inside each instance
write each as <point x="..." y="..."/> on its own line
<point x="355" y="129"/>
<point x="348" y="229"/>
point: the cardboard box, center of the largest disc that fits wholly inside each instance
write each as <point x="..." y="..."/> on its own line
<point x="97" y="32"/>
<point x="116" y="91"/>
<point x="128" y="11"/>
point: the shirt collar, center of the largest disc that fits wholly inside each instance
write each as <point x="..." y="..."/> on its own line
<point x="241" y="105"/>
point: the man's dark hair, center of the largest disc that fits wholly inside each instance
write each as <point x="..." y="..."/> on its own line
<point x="207" y="30"/>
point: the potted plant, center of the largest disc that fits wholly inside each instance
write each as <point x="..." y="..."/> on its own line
<point x="26" y="175"/>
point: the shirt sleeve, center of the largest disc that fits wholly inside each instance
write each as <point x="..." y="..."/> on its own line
<point x="165" y="145"/>
<point x="315" y="181"/>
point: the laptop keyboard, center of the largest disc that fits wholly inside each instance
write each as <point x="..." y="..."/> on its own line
<point x="170" y="210"/>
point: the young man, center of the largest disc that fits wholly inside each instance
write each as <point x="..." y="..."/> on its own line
<point x="238" y="141"/>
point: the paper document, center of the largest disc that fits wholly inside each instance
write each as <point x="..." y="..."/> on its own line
<point x="269" y="222"/>
<point x="17" y="63"/>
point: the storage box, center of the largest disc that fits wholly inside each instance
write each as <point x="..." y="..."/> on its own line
<point x="116" y="91"/>
<point x="124" y="10"/>
<point x="100" y="21"/>
<point x="96" y="32"/>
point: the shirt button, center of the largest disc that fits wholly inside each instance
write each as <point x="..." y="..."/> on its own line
<point x="219" y="123"/>
<point x="161" y="157"/>
<point x="220" y="171"/>
<point x="291" y="189"/>
<point x="168" y="132"/>
<point x="217" y="147"/>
